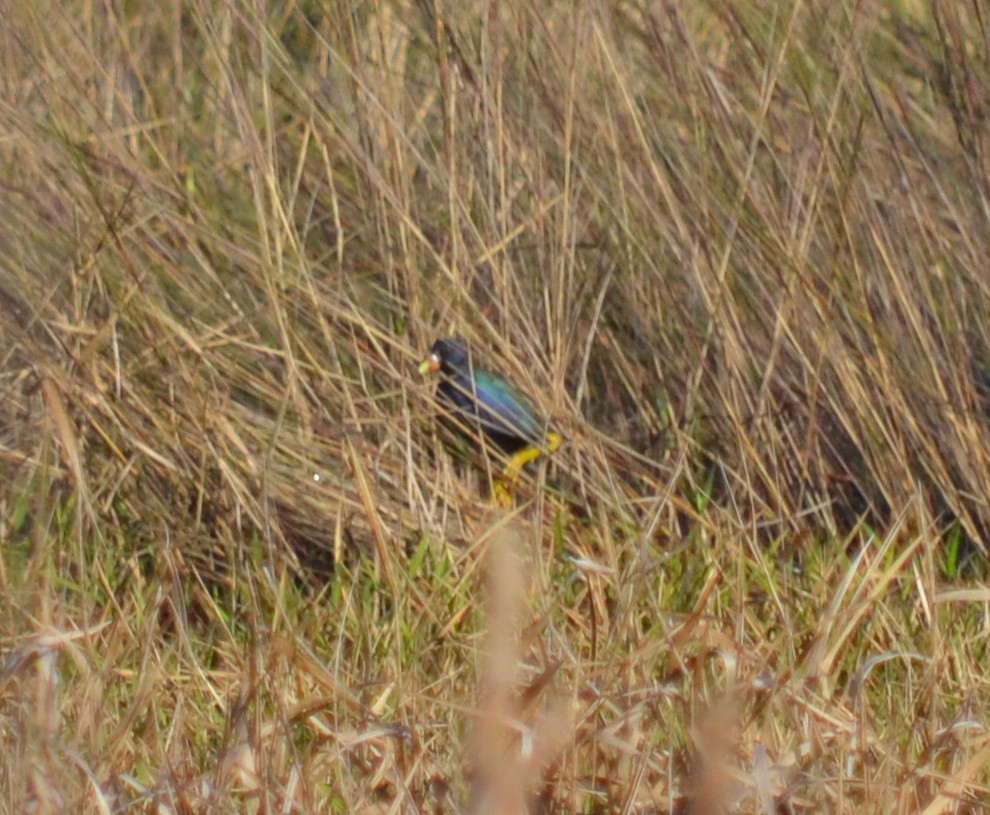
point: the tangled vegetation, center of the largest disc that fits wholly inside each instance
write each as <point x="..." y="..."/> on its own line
<point x="736" y="251"/>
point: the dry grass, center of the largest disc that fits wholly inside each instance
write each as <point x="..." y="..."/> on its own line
<point x="737" y="251"/>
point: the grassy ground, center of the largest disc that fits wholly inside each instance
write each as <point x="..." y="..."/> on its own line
<point x="736" y="251"/>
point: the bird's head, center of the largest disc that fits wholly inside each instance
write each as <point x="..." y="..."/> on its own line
<point x="449" y="355"/>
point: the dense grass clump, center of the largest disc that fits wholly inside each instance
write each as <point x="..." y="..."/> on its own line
<point x="734" y="251"/>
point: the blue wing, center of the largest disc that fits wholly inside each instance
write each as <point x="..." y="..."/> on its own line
<point x="503" y="409"/>
<point x="500" y="410"/>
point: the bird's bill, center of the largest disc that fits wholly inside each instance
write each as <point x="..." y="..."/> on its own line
<point x="430" y="365"/>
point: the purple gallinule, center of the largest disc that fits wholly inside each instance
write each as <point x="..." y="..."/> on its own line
<point x="484" y="403"/>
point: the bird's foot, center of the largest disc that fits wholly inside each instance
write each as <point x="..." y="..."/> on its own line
<point x="502" y="493"/>
<point x="503" y="487"/>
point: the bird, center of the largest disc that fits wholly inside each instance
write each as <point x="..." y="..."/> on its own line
<point x="483" y="403"/>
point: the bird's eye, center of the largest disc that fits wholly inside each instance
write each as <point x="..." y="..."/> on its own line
<point x="435" y="358"/>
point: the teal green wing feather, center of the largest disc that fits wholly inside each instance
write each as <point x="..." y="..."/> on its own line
<point x="503" y="408"/>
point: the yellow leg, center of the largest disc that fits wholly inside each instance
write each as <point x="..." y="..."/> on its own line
<point x="501" y="494"/>
<point x="504" y="486"/>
